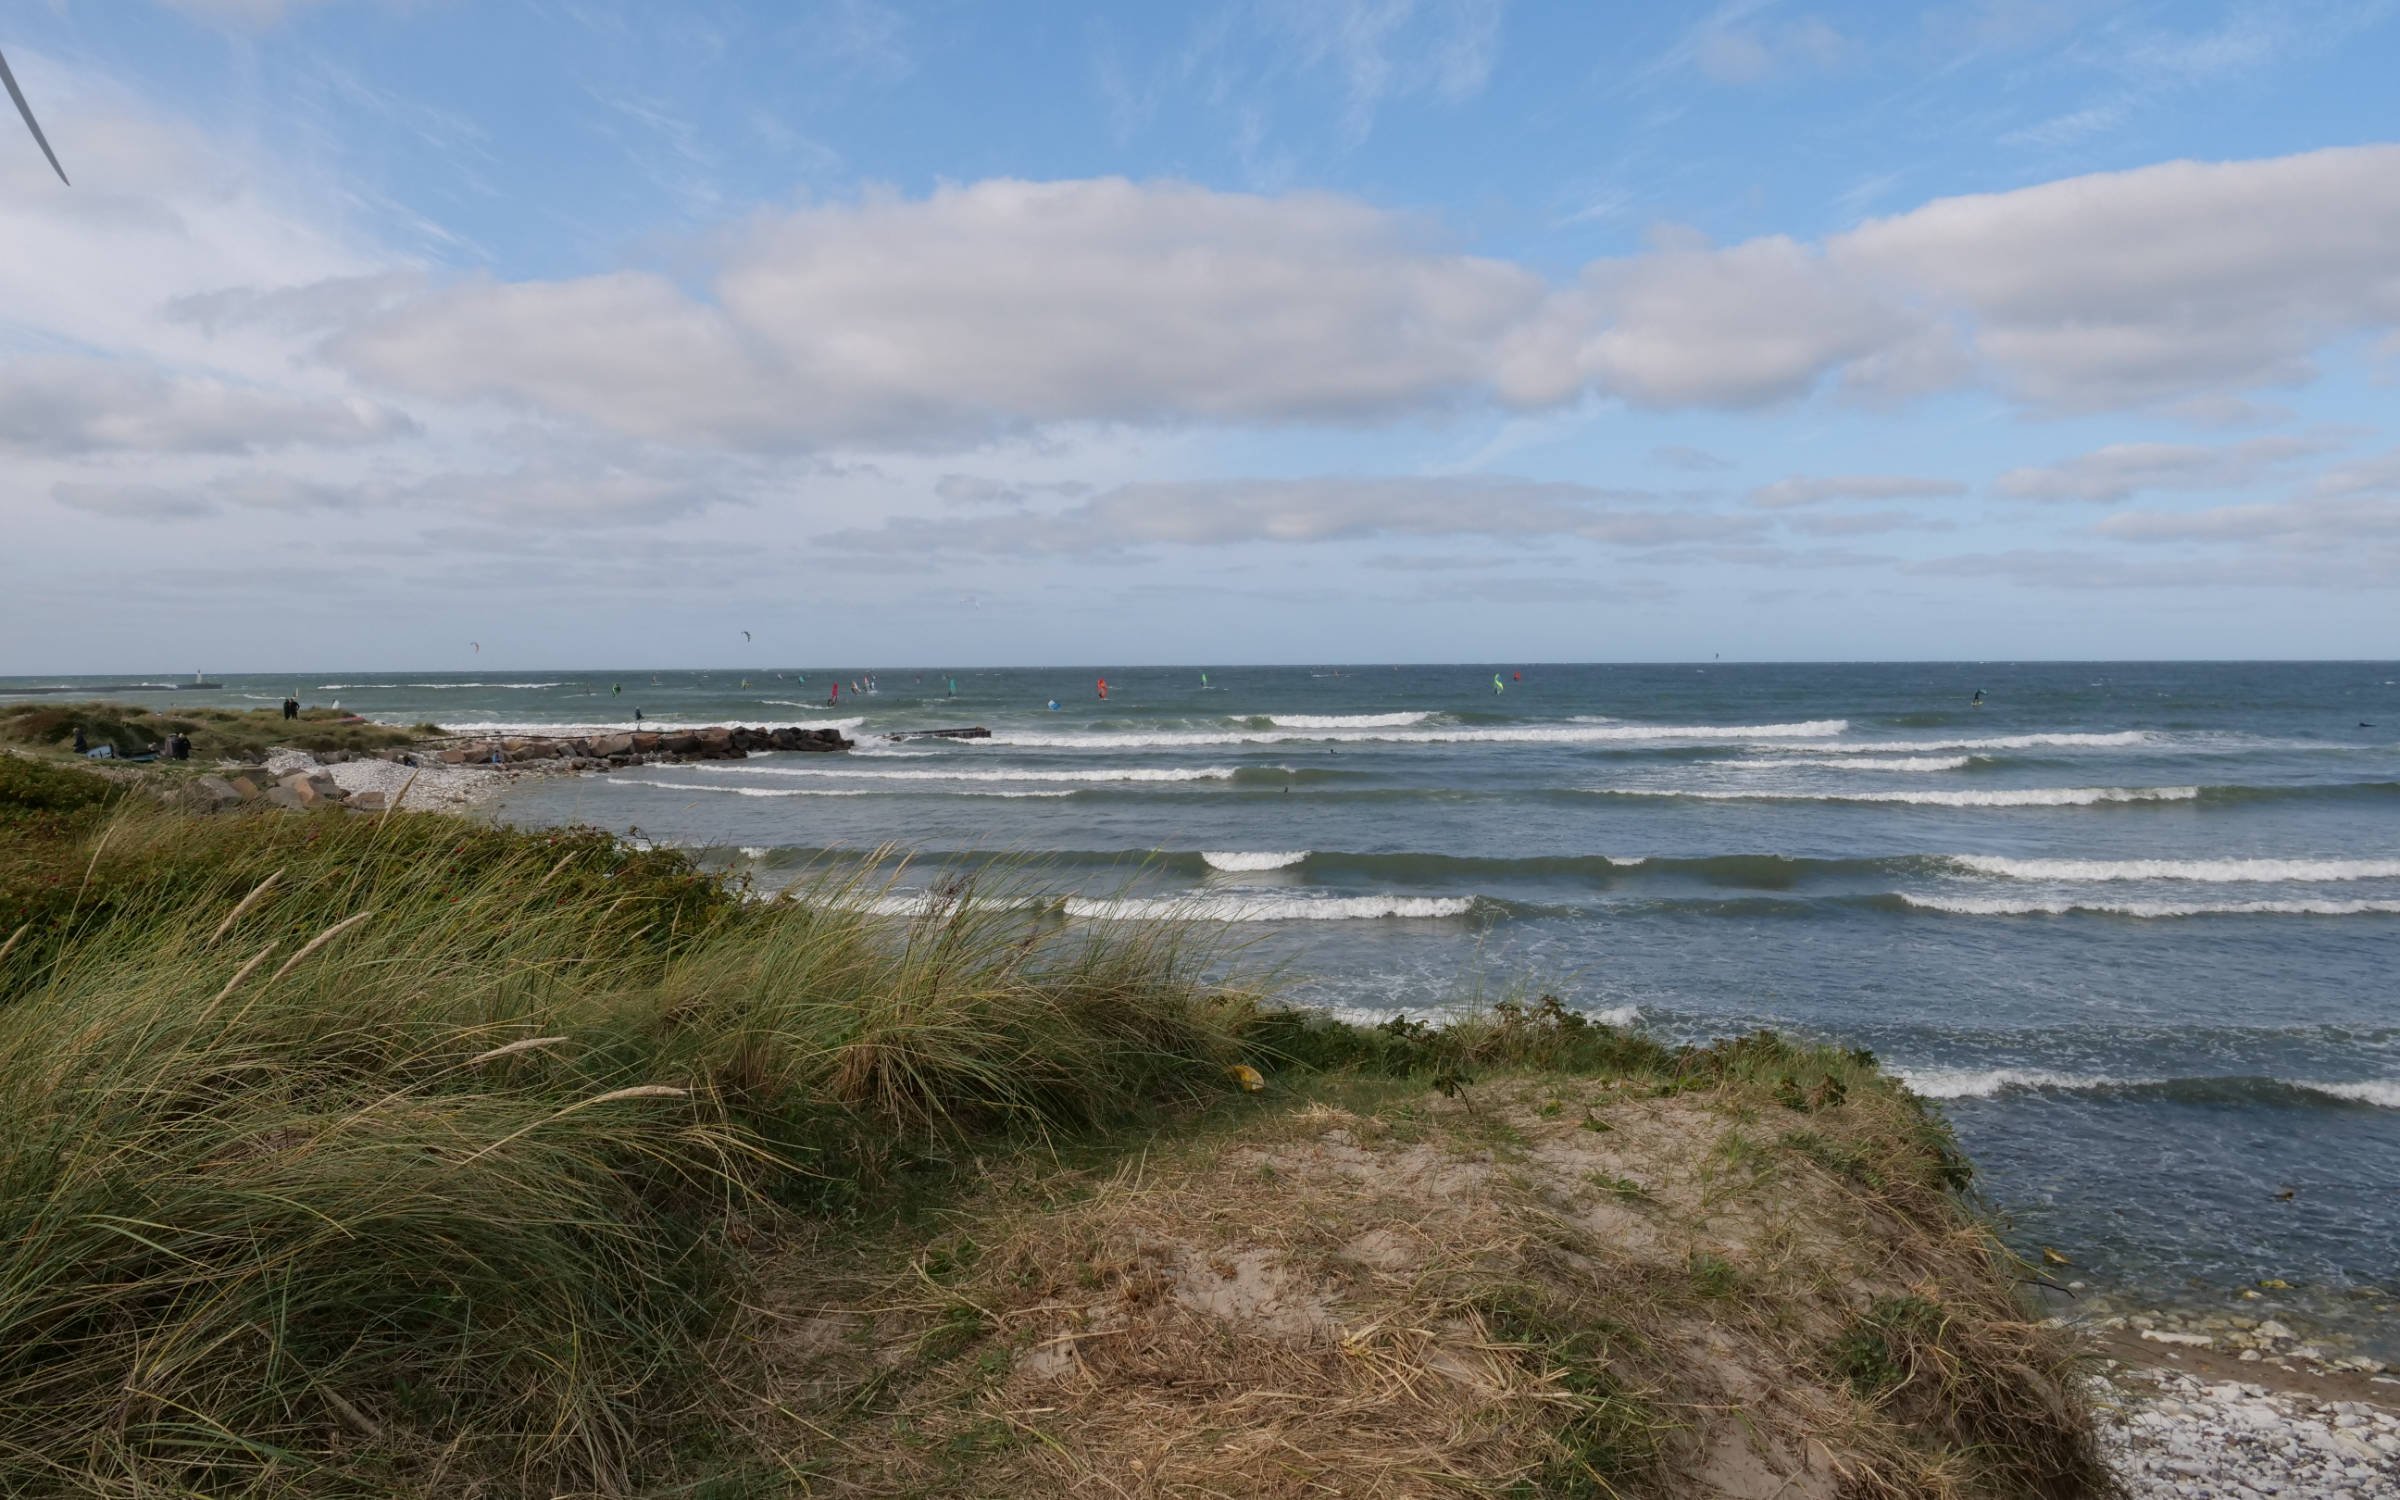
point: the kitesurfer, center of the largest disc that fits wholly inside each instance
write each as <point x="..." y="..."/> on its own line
<point x="1497" y="685"/>
<point x="1104" y="689"/>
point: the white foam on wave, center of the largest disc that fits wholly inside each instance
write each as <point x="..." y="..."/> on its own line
<point x="2059" y="741"/>
<point x="1264" y="908"/>
<point x="1237" y="860"/>
<point x="1346" y="721"/>
<point x="727" y="789"/>
<point x="1988" y="1083"/>
<point x="1858" y="763"/>
<point x="2384" y="1093"/>
<point x="1981" y="906"/>
<point x="1985" y="1083"/>
<point x="2031" y="796"/>
<point x="439" y="687"/>
<point x="1528" y="734"/>
<point x="2260" y="870"/>
<point x="1104" y="773"/>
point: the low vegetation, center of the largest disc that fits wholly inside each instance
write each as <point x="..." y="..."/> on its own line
<point x="216" y="733"/>
<point x="394" y="1155"/>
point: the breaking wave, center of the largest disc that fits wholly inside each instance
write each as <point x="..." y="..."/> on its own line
<point x="1106" y="773"/>
<point x="1858" y="763"/>
<point x="2261" y="870"/>
<point x="1979" y="906"/>
<point x="1346" y="721"/>
<point x="1529" y="734"/>
<point x="1988" y="1083"/>
<point x="2033" y="796"/>
<point x="1234" y="860"/>
<point x="1265" y="908"/>
<point x="2060" y="741"/>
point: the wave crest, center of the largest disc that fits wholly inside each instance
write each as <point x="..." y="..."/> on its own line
<point x="1237" y="860"/>
<point x="2222" y="870"/>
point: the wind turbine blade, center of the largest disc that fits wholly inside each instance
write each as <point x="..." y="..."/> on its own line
<point x="31" y="124"/>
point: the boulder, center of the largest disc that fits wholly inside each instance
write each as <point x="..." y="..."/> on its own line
<point x="613" y="744"/>
<point x="313" y="788"/>
<point x="368" y="801"/>
<point x="645" y="741"/>
<point x="211" y="794"/>
<point x="680" y="744"/>
<point x="250" y="785"/>
<point x="285" y="798"/>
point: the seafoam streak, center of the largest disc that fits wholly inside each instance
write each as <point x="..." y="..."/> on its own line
<point x="1528" y="734"/>
<point x="2031" y="796"/>
<point x="1237" y="860"/>
<point x="1981" y="906"/>
<point x="2222" y="870"/>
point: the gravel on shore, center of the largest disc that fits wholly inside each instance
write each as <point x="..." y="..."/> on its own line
<point x="430" y="785"/>
<point x="2172" y="1435"/>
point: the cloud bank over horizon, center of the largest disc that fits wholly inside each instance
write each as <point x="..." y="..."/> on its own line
<point x="219" y="347"/>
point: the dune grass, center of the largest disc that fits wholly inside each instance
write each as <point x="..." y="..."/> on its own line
<point x="217" y="733"/>
<point x="395" y="1154"/>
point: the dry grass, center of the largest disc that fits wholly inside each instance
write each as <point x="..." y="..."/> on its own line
<point x="1544" y="1285"/>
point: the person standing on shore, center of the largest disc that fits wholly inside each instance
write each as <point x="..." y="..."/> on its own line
<point x="83" y="743"/>
<point x="291" y="705"/>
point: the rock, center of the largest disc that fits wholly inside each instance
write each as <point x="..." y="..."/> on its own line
<point x="680" y="744"/>
<point x="368" y="801"/>
<point x="645" y="741"/>
<point x="285" y="798"/>
<point x="313" y="788"/>
<point x="612" y="744"/>
<point x="249" y="785"/>
<point x="212" y="794"/>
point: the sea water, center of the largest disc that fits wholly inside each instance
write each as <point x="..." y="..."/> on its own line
<point x="2136" y="926"/>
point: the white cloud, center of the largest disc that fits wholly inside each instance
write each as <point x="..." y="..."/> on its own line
<point x="268" y="492"/>
<point x="985" y="308"/>
<point x="2124" y="288"/>
<point x="982" y="309"/>
<point x="2300" y="524"/>
<point x="2106" y="475"/>
<point x="57" y="405"/>
<point x="1334" y="508"/>
<point x="1817" y="490"/>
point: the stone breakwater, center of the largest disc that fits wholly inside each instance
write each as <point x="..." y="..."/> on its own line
<point x="455" y="774"/>
<point x="599" y="752"/>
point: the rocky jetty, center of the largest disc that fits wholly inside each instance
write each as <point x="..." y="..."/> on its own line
<point x="595" y="752"/>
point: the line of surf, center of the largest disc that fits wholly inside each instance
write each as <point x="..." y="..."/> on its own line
<point x="1856" y="763"/>
<point x="1529" y="734"/>
<point x="724" y="789"/>
<point x="1993" y="906"/>
<point x="2038" y="796"/>
<point x="1100" y="773"/>
<point x="1989" y="1083"/>
<point x="2245" y="871"/>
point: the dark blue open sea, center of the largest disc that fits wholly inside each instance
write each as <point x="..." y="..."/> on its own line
<point x="2136" y="925"/>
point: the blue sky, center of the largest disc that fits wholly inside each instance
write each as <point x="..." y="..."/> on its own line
<point x="1361" y="329"/>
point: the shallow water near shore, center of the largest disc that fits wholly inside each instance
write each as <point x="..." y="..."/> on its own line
<point x="2134" y="924"/>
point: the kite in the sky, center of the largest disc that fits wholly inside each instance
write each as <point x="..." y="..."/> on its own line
<point x="745" y="635"/>
<point x="31" y="124"/>
<point x="478" y="645"/>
